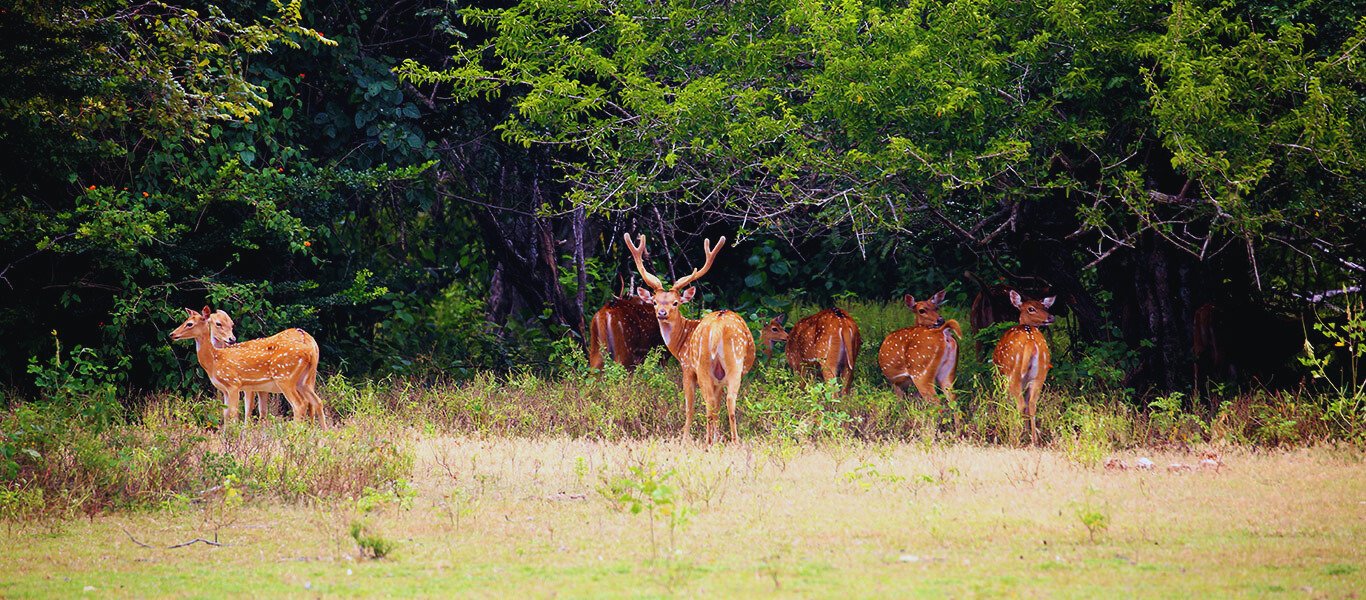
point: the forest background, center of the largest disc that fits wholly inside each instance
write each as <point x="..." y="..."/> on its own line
<point x="439" y="189"/>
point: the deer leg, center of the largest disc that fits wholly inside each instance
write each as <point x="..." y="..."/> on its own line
<point x="316" y="404"/>
<point x="311" y="382"/>
<point x="689" y="395"/>
<point x="226" y="415"/>
<point x="925" y="385"/>
<point x="1014" y="387"/>
<point x="1035" y="392"/>
<point x="732" y="394"/>
<point x="897" y="383"/>
<point x="713" y="409"/>
<point x="234" y="398"/>
<point x="304" y="385"/>
<point x="828" y="371"/>
<point x="297" y="403"/>
<point x="951" y="401"/>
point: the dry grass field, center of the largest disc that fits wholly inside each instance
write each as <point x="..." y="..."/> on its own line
<point x="560" y="517"/>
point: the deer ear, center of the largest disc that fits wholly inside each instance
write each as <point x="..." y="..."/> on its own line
<point x="207" y="312"/>
<point x="1048" y="302"/>
<point x="780" y="319"/>
<point x="192" y="312"/>
<point x="688" y="294"/>
<point x="910" y="300"/>
<point x="938" y="298"/>
<point x="1015" y="298"/>
<point x="645" y="295"/>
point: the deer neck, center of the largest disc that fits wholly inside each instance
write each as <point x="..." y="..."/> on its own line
<point x="207" y="354"/>
<point x="676" y="333"/>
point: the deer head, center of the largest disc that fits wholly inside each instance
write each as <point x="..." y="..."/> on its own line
<point x="667" y="303"/>
<point x="217" y="326"/>
<point x="195" y="326"/>
<point x="927" y="311"/>
<point x="773" y="332"/>
<point x="221" y="325"/>
<point x="1033" y="313"/>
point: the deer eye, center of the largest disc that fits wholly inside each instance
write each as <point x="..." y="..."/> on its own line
<point x="675" y="303"/>
<point x="1031" y="309"/>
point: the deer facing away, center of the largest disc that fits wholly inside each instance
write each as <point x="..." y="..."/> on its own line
<point x="828" y="340"/>
<point x="922" y="355"/>
<point x="714" y="351"/>
<point x="626" y="329"/>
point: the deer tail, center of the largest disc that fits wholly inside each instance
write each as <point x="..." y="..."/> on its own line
<point x="953" y="324"/>
<point x="846" y="362"/>
<point x="594" y="344"/>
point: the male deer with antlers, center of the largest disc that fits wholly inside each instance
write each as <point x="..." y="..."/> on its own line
<point x="922" y="355"/>
<point x="714" y="351"/>
<point x="285" y="363"/>
<point x="828" y="339"/>
<point x="1023" y="359"/>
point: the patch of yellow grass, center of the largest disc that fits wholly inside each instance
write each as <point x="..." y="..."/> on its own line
<point x="498" y="517"/>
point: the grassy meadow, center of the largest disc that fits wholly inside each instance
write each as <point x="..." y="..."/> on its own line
<point x="580" y="485"/>
<point x="554" y="516"/>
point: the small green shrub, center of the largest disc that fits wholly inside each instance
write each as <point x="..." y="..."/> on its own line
<point x="370" y="545"/>
<point x="645" y="488"/>
<point x="1093" y="516"/>
<point x="1170" y="421"/>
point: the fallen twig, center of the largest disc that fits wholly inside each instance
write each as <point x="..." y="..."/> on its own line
<point x="180" y="545"/>
<point x="193" y="541"/>
<point x="135" y="540"/>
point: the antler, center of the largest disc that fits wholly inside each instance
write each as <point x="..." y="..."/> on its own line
<point x="636" y="251"/>
<point x="698" y="273"/>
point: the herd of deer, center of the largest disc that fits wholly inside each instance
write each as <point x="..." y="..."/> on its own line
<point x="718" y="349"/>
<point x="715" y="351"/>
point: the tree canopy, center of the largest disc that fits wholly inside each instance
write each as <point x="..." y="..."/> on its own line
<point x="441" y="187"/>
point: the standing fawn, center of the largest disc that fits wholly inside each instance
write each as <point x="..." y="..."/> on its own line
<point x="285" y="363"/>
<point x="714" y="351"/>
<point x="223" y="336"/>
<point x="626" y="328"/>
<point x="1023" y="359"/>
<point x="829" y="340"/>
<point x="922" y="355"/>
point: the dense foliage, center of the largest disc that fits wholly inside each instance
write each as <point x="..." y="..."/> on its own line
<point x="441" y="188"/>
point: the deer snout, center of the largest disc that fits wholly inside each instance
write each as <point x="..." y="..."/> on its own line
<point x="232" y="340"/>
<point x="940" y="322"/>
<point x="661" y="314"/>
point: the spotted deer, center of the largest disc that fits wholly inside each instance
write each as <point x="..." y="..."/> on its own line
<point x="1023" y="359"/>
<point x="924" y="354"/>
<point x="625" y="327"/>
<point x="828" y="340"/>
<point x="715" y="351"/>
<point x="285" y="363"/>
<point x="223" y="336"/>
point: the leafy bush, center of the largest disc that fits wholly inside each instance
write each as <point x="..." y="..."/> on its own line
<point x="79" y="467"/>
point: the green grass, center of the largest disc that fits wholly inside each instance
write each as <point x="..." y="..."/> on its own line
<point x="916" y="520"/>
<point x="578" y="485"/>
